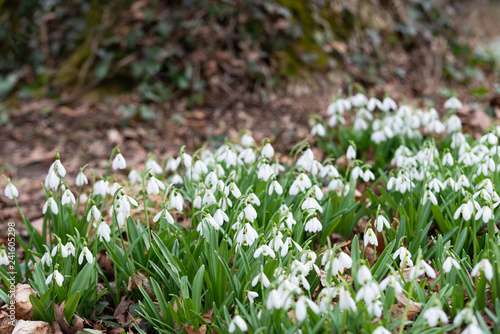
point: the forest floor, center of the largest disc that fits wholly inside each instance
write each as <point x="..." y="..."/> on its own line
<point x="87" y="131"/>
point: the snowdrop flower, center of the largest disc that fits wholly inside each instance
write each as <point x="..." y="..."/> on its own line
<point x="453" y="103"/>
<point x="56" y="171"/>
<point x="68" y="197"/>
<point x="393" y="282"/>
<point x="177" y="201"/>
<point x="70" y="249"/>
<point x="463" y="182"/>
<point x="485" y="266"/>
<point x="313" y="225"/>
<point x="368" y="175"/>
<point x="370" y="238"/>
<point x="85" y="254"/>
<point x="374" y="307"/>
<point x="428" y="195"/>
<point x="300" y="184"/>
<point x="357" y="172"/>
<point x="465" y="210"/>
<point x="484" y="212"/>
<point x="364" y="275"/>
<point x="447" y="160"/>
<point x="173" y="164"/>
<point x="329" y="171"/>
<point x="310" y="204"/>
<point x="263" y="278"/>
<point x="380" y="222"/>
<point x="119" y="161"/>
<point x="268" y="151"/>
<point x="265" y="172"/>
<point x="59" y="278"/>
<point x="52" y="204"/>
<point x="318" y="130"/>
<point x="435" y="314"/>
<point x="247" y="235"/>
<point x="164" y="214"/>
<point x="247" y="140"/>
<point x="404" y="256"/>
<point x="94" y="211"/>
<point x="153" y="167"/>
<point x="473" y="329"/>
<point x="252" y="295"/>
<point x="490" y="138"/>
<point x="11" y="190"/>
<point x="81" y="179"/>
<point x="234" y="190"/>
<point x="466" y="315"/>
<point x="103" y="231"/>
<point x="100" y="188"/>
<point x="301" y="307"/>
<point x="275" y="187"/>
<point x="448" y="263"/>
<point x="388" y="104"/>
<point x="46" y="259"/>
<point x="345" y="300"/>
<point x="264" y="250"/>
<point x="250" y="213"/>
<point x="154" y="186"/>
<point x="238" y="322"/>
<point x="62" y="249"/>
<point x="381" y="330"/>
<point x="200" y="168"/>
<point x="220" y="217"/>
<point x="134" y="176"/>
<point x="421" y="268"/>
<point x="351" y="153"/>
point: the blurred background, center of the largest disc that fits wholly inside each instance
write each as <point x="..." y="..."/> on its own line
<point x="152" y="76"/>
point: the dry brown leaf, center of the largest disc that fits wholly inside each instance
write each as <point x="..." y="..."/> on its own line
<point x="190" y="329"/>
<point x="24" y="309"/>
<point x="398" y="309"/>
<point x="121" y="311"/>
<point x="140" y="280"/>
<point x="31" y="327"/>
<point x="6" y="324"/>
<point x="61" y="320"/>
<point x="209" y="316"/>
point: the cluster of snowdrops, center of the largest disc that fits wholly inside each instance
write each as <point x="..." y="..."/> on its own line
<point x="236" y="240"/>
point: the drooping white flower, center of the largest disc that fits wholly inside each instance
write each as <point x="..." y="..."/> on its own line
<point x="173" y="164"/>
<point x="428" y="195"/>
<point x="119" y="162"/>
<point x="70" y="248"/>
<point x="247" y="235"/>
<point x="239" y="323"/>
<point x="484" y="212"/>
<point x="265" y="172"/>
<point x="370" y="238"/>
<point x="318" y="130"/>
<point x="393" y="282"/>
<point x="381" y="330"/>
<point x="364" y="275"/>
<point x="447" y="160"/>
<point x="346" y="302"/>
<point x="301" y="307"/>
<point x="52" y="204"/>
<point x="103" y="231"/>
<point x="154" y="186"/>
<point x="264" y="250"/>
<point x="85" y="253"/>
<point x="313" y="225"/>
<point x="420" y="268"/>
<point x="46" y="259"/>
<point x="62" y="249"/>
<point x="59" y="278"/>
<point x="404" y="256"/>
<point x="68" y="197"/>
<point x="263" y="278"/>
<point x="220" y="217"/>
<point x="94" y="212"/>
<point x="485" y="266"/>
<point x="275" y="187"/>
<point x="247" y="140"/>
<point x="252" y="295"/>
<point x="250" y="213"/>
<point x="453" y="103"/>
<point x="177" y="201"/>
<point x="268" y="151"/>
<point x="310" y="204"/>
<point x="380" y="222"/>
<point x="435" y="314"/>
<point x="81" y="179"/>
<point x="100" y="188"/>
<point x="164" y="214"/>
<point x="11" y="190"/>
<point x="134" y="176"/>
<point x="448" y="263"/>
